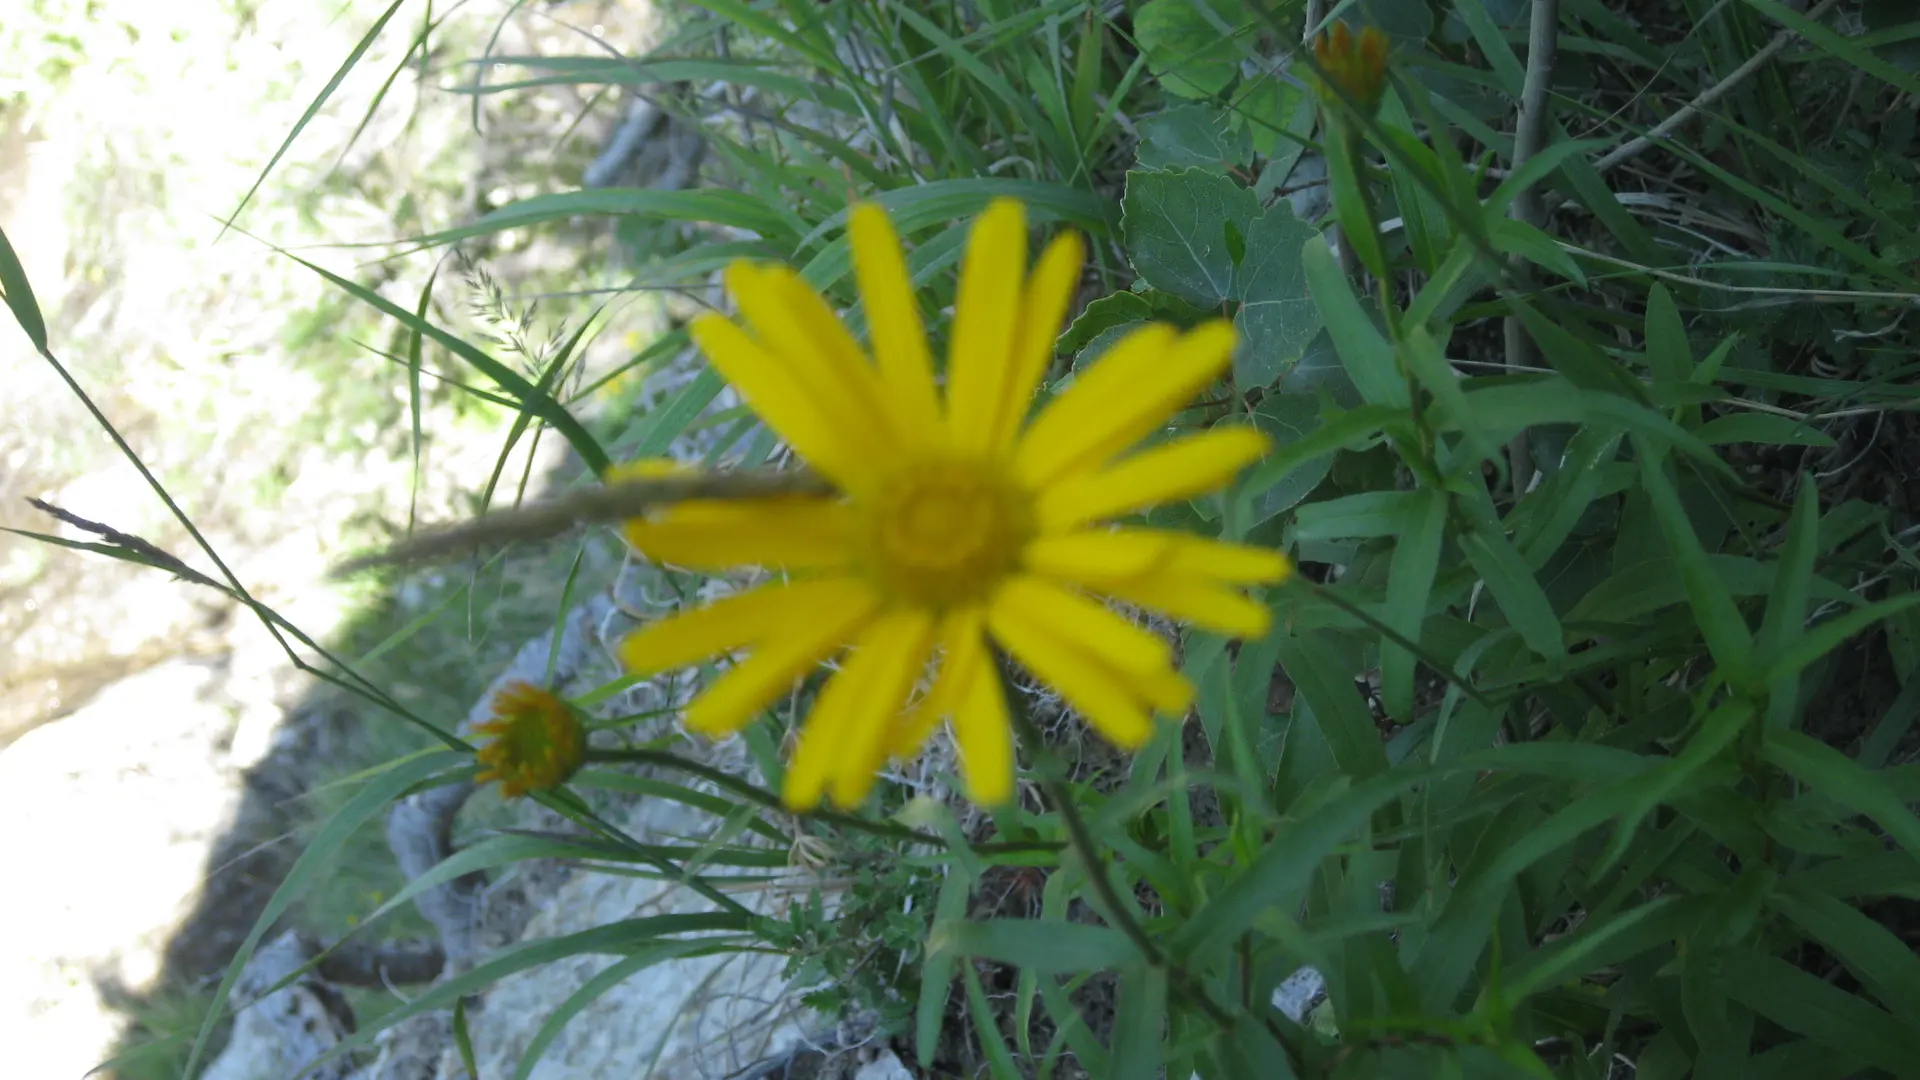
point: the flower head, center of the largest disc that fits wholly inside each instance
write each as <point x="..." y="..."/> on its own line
<point x="958" y="523"/>
<point x="1358" y="66"/>
<point x="535" y="741"/>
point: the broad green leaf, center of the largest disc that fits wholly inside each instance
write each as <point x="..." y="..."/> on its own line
<point x="1193" y="136"/>
<point x="1721" y="623"/>
<point x="1277" y="318"/>
<point x="1046" y="947"/>
<point x="1363" y="349"/>
<point x="1177" y="226"/>
<point x="1107" y="313"/>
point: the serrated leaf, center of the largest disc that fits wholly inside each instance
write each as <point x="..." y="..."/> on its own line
<point x="1193" y="136"/>
<point x="1277" y="316"/>
<point x="1118" y="309"/>
<point x="1176" y="226"/>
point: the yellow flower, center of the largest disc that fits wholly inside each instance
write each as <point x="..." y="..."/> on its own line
<point x="957" y="524"/>
<point x="1356" y="66"/>
<point x="535" y="741"/>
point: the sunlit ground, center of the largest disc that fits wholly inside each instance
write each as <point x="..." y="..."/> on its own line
<point x="130" y="703"/>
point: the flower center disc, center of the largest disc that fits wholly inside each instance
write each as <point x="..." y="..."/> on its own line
<point x="945" y="532"/>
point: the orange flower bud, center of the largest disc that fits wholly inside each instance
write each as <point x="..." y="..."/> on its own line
<point x="1356" y="66"/>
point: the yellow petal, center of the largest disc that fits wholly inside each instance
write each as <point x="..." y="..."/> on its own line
<point x="1144" y="379"/>
<point x="715" y="534"/>
<point x="1096" y="556"/>
<point x="1049" y="294"/>
<point x="962" y="648"/>
<point x="985" y="736"/>
<point x="897" y="647"/>
<point x="776" y="664"/>
<point x="821" y="431"/>
<point x="1177" y="469"/>
<point x="844" y="740"/>
<point x="1105" y="553"/>
<point x="792" y="321"/>
<point x="1087" y="685"/>
<point x="893" y="318"/>
<point x="986" y="313"/>
<point x="1093" y="628"/>
<point x="1200" y="601"/>
<point x="738" y="621"/>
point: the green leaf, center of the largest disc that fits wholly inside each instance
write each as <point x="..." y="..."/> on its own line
<point x="1721" y="623"/>
<point x="986" y="1028"/>
<point x="1514" y="585"/>
<point x="1602" y="943"/>
<point x="1177" y="224"/>
<point x="1668" y="354"/>
<point x="1839" y="778"/>
<point x="1338" y="708"/>
<point x="937" y="968"/>
<point x="1111" y="311"/>
<point x="1287" y="418"/>
<point x="1807" y="1005"/>
<point x="313" y="108"/>
<point x="1345" y="430"/>
<point x="1277" y="878"/>
<point x="1141" y="1017"/>
<point x="18" y="293"/>
<point x="1193" y="136"/>
<point x="373" y="799"/>
<point x="1885" y="964"/>
<point x="1185" y="48"/>
<point x="1277" y="318"/>
<point x="529" y="397"/>
<point x="1803" y="650"/>
<point x="1363" y="349"/>
<point x="1416" y="557"/>
<point x="1043" y="946"/>
<point x="1536" y="169"/>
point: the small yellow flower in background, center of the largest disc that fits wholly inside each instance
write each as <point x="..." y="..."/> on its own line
<point x="958" y="522"/>
<point x="535" y="742"/>
<point x="1356" y="65"/>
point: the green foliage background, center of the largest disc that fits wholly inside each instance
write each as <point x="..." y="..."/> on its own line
<point x="1539" y="780"/>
